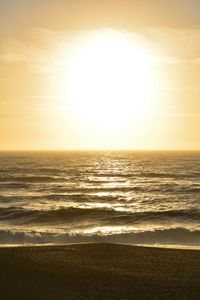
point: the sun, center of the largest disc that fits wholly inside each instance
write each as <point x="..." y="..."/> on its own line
<point x="109" y="83"/>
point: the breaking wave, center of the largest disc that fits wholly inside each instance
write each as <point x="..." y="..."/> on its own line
<point x="177" y="236"/>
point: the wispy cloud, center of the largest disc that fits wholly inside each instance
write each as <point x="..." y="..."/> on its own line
<point x="50" y="48"/>
<point x="182" y="45"/>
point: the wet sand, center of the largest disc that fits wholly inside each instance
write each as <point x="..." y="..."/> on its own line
<point x="98" y="271"/>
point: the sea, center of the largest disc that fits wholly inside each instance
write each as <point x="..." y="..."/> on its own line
<point x="139" y="198"/>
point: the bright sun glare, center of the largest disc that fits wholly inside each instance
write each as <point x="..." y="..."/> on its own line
<point x="110" y="82"/>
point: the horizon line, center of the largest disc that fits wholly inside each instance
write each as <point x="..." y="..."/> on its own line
<point x="99" y="150"/>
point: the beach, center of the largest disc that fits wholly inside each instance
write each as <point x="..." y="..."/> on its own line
<point x="98" y="271"/>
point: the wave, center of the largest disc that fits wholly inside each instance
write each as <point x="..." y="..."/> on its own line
<point x="177" y="236"/>
<point x="174" y="175"/>
<point x="32" y="179"/>
<point x="66" y="215"/>
<point x="85" y="185"/>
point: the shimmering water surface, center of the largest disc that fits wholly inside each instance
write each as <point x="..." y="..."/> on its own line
<point x="130" y="197"/>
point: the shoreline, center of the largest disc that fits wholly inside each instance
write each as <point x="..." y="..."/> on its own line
<point x="98" y="271"/>
<point x="173" y="247"/>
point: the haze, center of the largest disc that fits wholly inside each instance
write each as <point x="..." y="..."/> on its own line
<point x="99" y="75"/>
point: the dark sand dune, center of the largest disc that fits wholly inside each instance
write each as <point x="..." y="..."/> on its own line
<point x="99" y="271"/>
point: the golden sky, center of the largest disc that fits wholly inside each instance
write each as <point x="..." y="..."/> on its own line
<point x="88" y="74"/>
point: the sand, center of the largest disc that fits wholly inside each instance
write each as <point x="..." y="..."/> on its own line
<point x="98" y="271"/>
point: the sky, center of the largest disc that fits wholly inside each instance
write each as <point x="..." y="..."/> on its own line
<point x="38" y="40"/>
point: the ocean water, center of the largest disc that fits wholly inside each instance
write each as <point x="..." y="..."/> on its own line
<point x="149" y="198"/>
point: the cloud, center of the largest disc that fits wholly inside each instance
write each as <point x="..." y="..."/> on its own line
<point x="181" y="45"/>
<point x="196" y="60"/>
<point x="49" y="48"/>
